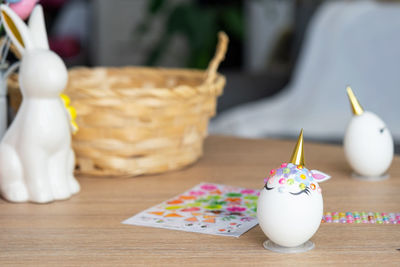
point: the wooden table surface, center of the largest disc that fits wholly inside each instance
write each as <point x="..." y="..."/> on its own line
<point x="87" y="229"/>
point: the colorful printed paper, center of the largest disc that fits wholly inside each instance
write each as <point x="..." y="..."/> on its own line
<point x="206" y="208"/>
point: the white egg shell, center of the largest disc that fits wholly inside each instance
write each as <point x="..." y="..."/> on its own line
<point x="368" y="145"/>
<point x="289" y="220"/>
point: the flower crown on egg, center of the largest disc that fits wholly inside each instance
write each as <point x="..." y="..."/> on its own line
<point x="295" y="174"/>
<point x="290" y="174"/>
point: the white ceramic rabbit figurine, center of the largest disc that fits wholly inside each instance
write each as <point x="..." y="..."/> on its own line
<point x="36" y="159"/>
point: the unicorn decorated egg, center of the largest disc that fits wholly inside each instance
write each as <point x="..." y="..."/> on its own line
<point x="290" y="206"/>
<point x="368" y="144"/>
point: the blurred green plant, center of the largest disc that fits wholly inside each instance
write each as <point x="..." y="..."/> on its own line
<point x="198" y="21"/>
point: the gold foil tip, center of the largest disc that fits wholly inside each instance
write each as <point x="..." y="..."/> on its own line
<point x="355" y="105"/>
<point x="298" y="153"/>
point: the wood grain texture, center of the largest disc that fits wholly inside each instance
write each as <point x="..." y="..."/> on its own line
<point x="87" y="229"/>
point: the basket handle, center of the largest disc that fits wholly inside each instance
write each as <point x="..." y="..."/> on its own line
<point x="212" y="68"/>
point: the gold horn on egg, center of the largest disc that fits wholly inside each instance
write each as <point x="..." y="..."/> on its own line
<point x="298" y="153"/>
<point x="355" y="105"/>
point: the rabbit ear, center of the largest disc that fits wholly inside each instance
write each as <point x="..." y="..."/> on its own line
<point x="16" y="29"/>
<point x="37" y="28"/>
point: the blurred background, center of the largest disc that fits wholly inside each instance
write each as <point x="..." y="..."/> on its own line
<point x="288" y="61"/>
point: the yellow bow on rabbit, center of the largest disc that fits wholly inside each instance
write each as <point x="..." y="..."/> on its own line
<point x="71" y="113"/>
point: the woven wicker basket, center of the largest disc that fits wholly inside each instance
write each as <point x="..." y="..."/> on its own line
<point x="135" y="121"/>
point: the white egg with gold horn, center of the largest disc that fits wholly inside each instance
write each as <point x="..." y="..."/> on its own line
<point x="290" y="206"/>
<point x="368" y="143"/>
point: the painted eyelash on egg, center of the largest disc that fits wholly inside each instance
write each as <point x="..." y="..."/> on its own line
<point x="268" y="188"/>
<point x="306" y="190"/>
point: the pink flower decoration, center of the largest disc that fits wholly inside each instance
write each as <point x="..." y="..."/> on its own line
<point x="208" y="187"/>
<point x="236" y="209"/>
<point x="247" y="191"/>
<point x="196" y="193"/>
<point x="23" y="8"/>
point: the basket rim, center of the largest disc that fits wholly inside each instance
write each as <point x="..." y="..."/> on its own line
<point x="203" y="85"/>
<point x="196" y="72"/>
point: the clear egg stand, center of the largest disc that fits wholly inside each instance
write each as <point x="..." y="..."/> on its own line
<point x="268" y="244"/>
<point x="370" y="178"/>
